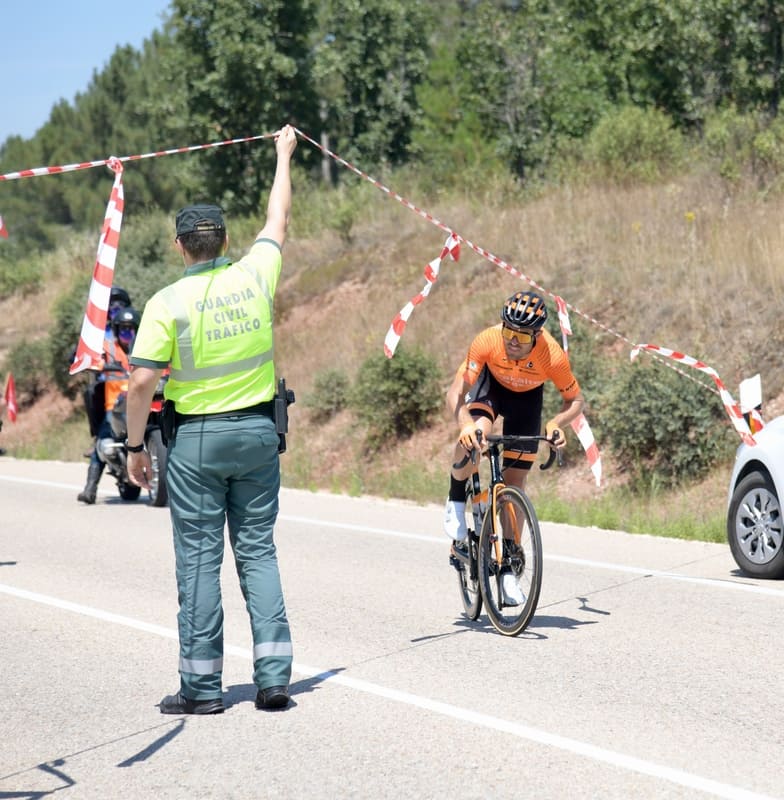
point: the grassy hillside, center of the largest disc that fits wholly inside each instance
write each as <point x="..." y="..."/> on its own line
<point x="690" y="265"/>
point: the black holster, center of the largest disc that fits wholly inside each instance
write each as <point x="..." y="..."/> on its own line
<point x="168" y="422"/>
<point x="283" y="399"/>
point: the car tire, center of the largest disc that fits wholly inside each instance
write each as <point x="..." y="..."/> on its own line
<point x="755" y="527"/>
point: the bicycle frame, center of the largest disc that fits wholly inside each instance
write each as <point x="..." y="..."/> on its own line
<point x="497" y="478"/>
<point x="484" y="502"/>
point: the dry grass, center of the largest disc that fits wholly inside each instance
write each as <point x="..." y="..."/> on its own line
<point x="684" y="265"/>
<point x="689" y="265"/>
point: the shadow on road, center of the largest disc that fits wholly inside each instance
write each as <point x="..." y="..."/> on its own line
<point x="153" y="747"/>
<point x="50" y="768"/>
<point x="562" y="623"/>
<point x="246" y="692"/>
<point x="37" y="794"/>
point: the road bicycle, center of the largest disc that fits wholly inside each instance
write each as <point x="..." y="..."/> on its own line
<point x="501" y="565"/>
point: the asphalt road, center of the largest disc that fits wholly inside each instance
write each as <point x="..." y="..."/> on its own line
<point x="650" y="669"/>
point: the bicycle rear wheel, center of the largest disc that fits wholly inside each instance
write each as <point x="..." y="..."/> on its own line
<point x="470" y="591"/>
<point x="511" y="585"/>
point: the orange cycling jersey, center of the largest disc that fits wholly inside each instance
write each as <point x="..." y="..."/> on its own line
<point x="547" y="361"/>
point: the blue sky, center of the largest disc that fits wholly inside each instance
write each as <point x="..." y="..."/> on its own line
<point x="52" y="47"/>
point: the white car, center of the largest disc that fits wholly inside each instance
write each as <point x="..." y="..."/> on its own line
<point x="755" y="527"/>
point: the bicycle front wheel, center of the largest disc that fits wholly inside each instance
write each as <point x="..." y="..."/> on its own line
<point x="510" y="561"/>
<point x="468" y="578"/>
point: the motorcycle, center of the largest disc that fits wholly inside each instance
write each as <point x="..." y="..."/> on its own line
<point x="113" y="454"/>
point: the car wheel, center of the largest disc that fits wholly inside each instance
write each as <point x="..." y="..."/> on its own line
<point x="755" y="528"/>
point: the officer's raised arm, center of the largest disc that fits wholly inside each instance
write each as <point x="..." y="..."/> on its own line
<point x="279" y="203"/>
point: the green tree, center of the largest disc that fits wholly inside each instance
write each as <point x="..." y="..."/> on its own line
<point x="245" y="69"/>
<point x="127" y="109"/>
<point x="368" y="63"/>
<point x="531" y="75"/>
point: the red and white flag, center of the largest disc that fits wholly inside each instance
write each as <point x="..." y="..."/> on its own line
<point x="580" y="425"/>
<point x="452" y="249"/>
<point x="3" y="229"/>
<point x="10" y="397"/>
<point x="89" y="351"/>
<point x="563" y="320"/>
<point x="584" y="433"/>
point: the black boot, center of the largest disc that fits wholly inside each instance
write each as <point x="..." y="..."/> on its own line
<point x="87" y="495"/>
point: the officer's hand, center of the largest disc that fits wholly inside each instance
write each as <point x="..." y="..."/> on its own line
<point x="468" y="437"/>
<point x="285" y="140"/>
<point x="555" y="434"/>
<point x="140" y="469"/>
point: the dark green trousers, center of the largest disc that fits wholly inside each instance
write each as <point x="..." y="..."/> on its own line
<point x="225" y="472"/>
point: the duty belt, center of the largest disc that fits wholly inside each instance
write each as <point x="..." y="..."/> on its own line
<point x="266" y="409"/>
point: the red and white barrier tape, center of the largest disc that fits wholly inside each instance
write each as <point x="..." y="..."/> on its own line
<point x="580" y="425"/>
<point x="563" y="321"/>
<point x="3" y="229"/>
<point x="10" y="397"/>
<point x="452" y="248"/>
<point x="89" y="352"/>
<point x="38" y="171"/>
<point x="731" y="407"/>
<point x="493" y="259"/>
<point x="584" y="433"/>
<point x="563" y="306"/>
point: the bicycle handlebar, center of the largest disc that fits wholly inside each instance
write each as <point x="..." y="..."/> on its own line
<point x="517" y="439"/>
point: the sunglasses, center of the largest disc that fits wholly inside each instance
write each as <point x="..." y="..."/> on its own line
<point x="521" y="337"/>
<point x="125" y="333"/>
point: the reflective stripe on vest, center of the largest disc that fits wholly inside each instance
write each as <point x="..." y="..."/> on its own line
<point x="188" y="371"/>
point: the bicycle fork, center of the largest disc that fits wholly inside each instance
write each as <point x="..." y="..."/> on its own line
<point x="510" y="528"/>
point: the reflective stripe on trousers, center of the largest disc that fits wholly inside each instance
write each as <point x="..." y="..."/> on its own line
<point x="204" y="666"/>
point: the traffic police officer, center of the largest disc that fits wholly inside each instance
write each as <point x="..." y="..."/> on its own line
<point x="214" y="326"/>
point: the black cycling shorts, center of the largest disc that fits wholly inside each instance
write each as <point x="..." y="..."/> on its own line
<point x="521" y="413"/>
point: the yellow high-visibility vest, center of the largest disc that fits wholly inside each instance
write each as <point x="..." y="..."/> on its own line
<point x="214" y="326"/>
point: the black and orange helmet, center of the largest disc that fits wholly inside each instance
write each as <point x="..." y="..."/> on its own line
<point x="524" y="310"/>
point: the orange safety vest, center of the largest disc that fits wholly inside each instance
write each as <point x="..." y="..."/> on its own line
<point x="116" y="380"/>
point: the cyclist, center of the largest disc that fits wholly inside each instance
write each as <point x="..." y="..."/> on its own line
<point x="503" y="375"/>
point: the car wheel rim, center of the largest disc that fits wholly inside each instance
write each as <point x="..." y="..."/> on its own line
<point x="758" y="526"/>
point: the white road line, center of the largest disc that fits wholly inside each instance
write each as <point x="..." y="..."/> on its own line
<point x="52" y="484"/>
<point x="583" y="562"/>
<point x="421" y="537"/>
<point x="584" y="749"/>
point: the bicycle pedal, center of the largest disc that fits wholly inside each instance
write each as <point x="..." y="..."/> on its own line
<point x="457" y="556"/>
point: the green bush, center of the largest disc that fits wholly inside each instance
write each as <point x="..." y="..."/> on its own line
<point x="68" y="316"/>
<point x="635" y="143"/>
<point x="329" y="395"/>
<point x="767" y="150"/>
<point x="147" y="260"/>
<point x="29" y="363"/>
<point x="396" y="396"/>
<point x="727" y="141"/>
<point x="663" y="427"/>
<point x="23" y="276"/>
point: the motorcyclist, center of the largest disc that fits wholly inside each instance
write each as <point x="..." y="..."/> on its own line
<point x="93" y="392"/>
<point x="114" y="376"/>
